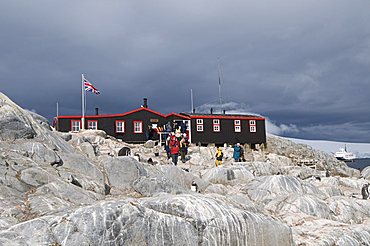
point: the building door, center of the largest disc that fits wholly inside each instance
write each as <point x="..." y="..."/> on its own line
<point x="183" y="126"/>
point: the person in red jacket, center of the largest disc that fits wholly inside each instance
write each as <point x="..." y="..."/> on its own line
<point x="174" y="148"/>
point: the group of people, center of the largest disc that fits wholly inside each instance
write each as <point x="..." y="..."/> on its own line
<point x="238" y="154"/>
<point x="176" y="144"/>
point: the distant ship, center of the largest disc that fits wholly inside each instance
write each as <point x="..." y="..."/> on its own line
<point x="343" y="155"/>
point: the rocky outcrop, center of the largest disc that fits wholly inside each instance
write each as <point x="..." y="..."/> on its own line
<point x="81" y="189"/>
<point x="165" y="220"/>
<point x="301" y="152"/>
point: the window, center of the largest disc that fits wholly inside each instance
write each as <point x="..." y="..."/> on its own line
<point x="92" y="124"/>
<point x="200" y="125"/>
<point x="120" y="126"/>
<point x="138" y="126"/>
<point x="216" y="125"/>
<point x="237" y="126"/>
<point x="252" y="126"/>
<point x="75" y="125"/>
<point x="199" y="128"/>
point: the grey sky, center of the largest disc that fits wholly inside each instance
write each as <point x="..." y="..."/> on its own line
<point x="303" y="64"/>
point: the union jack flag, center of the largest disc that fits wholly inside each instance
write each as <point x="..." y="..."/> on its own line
<point x="90" y="87"/>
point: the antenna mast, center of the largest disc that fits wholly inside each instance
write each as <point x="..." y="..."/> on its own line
<point x="192" y="101"/>
<point x="219" y="83"/>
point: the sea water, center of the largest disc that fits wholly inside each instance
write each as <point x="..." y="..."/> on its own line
<point x="359" y="164"/>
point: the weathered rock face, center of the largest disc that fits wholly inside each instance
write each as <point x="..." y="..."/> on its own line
<point x="36" y="166"/>
<point x="299" y="152"/>
<point x="166" y="220"/>
<point x="12" y="125"/>
<point x="300" y="203"/>
<point x="227" y="175"/>
<point x="123" y="171"/>
<point x="267" y="188"/>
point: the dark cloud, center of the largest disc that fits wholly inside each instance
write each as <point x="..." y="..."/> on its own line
<point x="303" y="64"/>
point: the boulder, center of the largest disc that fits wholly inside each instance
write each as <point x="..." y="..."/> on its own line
<point x="149" y="144"/>
<point x="267" y="188"/>
<point x="365" y="173"/>
<point x="349" y="210"/>
<point x="227" y="175"/>
<point x="122" y="171"/>
<point x="299" y="203"/>
<point x="218" y="189"/>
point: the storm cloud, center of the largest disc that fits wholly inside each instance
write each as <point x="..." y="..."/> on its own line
<point x="304" y="65"/>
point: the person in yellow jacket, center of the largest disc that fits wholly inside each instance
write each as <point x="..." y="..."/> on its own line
<point x="219" y="156"/>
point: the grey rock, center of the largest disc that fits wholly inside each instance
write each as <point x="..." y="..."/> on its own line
<point x="13" y="126"/>
<point x="218" y="189"/>
<point x="267" y="188"/>
<point x="258" y="168"/>
<point x="150" y="186"/>
<point x="40" y="119"/>
<point x="349" y="210"/>
<point x="64" y="135"/>
<point x="227" y="175"/>
<point x="36" y="176"/>
<point x="153" y="221"/>
<point x="300" y="203"/>
<point x="149" y="144"/>
<point x="365" y="173"/>
<point x="123" y="171"/>
<point x="87" y="149"/>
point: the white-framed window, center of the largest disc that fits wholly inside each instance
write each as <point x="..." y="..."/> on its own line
<point x="120" y="126"/>
<point x="75" y="125"/>
<point x="237" y="126"/>
<point x="199" y="128"/>
<point x="216" y="125"/>
<point x="138" y="126"/>
<point x="252" y="128"/>
<point x="199" y="125"/>
<point x="92" y="124"/>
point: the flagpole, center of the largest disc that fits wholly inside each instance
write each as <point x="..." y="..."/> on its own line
<point x="83" y="102"/>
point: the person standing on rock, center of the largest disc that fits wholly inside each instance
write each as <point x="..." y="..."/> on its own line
<point x="174" y="147"/>
<point x="237" y="152"/>
<point x="219" y="156"/>
<point x="167" y="146"/>
<point x="242" y="154"/>
<point x="183" y="148"/>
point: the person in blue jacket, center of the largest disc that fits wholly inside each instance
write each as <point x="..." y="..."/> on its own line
<point x="237" y="152"/>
